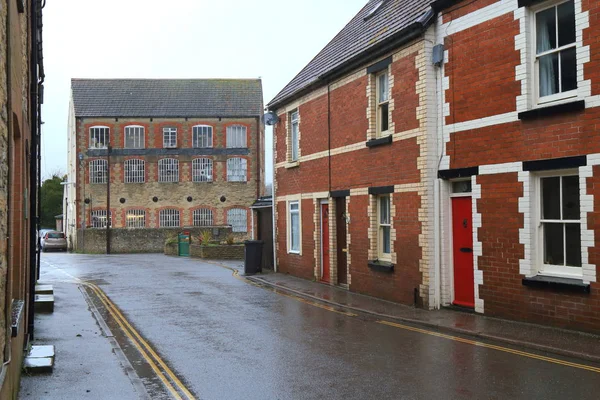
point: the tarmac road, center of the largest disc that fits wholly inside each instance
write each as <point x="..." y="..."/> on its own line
<point x="219" y="337"/>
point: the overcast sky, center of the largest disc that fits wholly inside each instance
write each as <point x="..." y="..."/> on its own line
<point x="270" y="39"/>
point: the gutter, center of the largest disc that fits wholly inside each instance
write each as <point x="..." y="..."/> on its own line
<point x="440" y="5"/>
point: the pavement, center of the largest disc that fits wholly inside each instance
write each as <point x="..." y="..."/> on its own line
<point x="553" y="340"/>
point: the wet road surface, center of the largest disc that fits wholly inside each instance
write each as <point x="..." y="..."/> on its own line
<point x="223" y="338"/>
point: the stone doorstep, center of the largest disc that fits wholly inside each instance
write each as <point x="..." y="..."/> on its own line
<point x="40" y="359"/>
<point x="44" y="303"/>
<point x="44" y="289"/>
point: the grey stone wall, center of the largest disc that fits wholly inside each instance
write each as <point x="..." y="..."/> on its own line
<point x="151" y="240"/>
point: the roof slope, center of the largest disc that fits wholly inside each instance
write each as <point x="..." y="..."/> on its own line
<point x="358" y="36"/>
<point x="167" y="97"/>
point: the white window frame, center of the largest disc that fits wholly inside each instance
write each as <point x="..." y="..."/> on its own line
<point x="202" y="169"/>
<point x="380" y="103"/>
<point x="237" y="169"/>
<point x="380" y="227"/>
<point x="98" y="218"/>
<point x="169" y="218"/>
<point x="294" y="135"/>
<point x="235" y="215"/>
<point x="561" y="96"/>
<point x="135" y="218"/>
<point x="202" y="217"/>
<point x="134" y="171"/>
<point x="169" y="137"/>
<point x="198" y="139"/>
<point x="102" y="131"/>
<point x="294" y="207"/>
<point x="168" y="170"/>
<point x="98" y="170"/>
<point x="237" y="137"/>
<point x="138" y="133"/>
<point x="548" y="269"/>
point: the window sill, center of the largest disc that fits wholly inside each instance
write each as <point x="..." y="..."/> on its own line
<point x="382" y="141"/>
<point x="381" y="266"/>
<point x="296" y="253"/>
<point x="547" y="111"/>
<point x="292" y="164"/>
<point x="556" y="283"/>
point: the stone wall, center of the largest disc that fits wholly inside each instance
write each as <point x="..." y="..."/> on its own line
<point x="218" y="252"/>
<point x="125" y="240"/>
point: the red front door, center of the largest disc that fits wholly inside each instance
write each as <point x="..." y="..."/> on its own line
<point x="325" y="276"/>
<point x="462" y="236"/>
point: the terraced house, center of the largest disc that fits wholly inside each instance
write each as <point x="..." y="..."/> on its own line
<point x="446" y="154"/>
<point x="162" y="154"/>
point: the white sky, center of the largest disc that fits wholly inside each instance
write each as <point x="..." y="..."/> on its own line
<point x="186" y="39"/>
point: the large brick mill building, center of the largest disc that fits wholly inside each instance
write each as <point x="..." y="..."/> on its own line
<point x="446" y="154"/>
<point x="172" y="153"/>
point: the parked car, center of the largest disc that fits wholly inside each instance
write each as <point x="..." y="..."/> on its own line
<point x="41" y="233"/>
<point x="53" y="240"/>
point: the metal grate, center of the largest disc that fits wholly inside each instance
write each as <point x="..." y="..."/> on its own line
<point x="99" y="137"/>
<point x="98" y="171"/>
<point x="136" y="218"/>
<point x="168" y="170"/>
<point x="169" y="218"/>
<point x="236" y="137"/>
<point x="99" y="218"/>
<point x="202" y="170"/>
<point x="236" y="169"/>
<point x="169" y="137"/>
<point x="238" y="219"/>
<point x="135" y="171"/>
<point x="202" y="136"/>
<point x="134" y="137"/>
<point x="203" y="217"/>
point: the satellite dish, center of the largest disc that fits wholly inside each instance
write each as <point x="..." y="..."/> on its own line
<point x="270" y="118"/>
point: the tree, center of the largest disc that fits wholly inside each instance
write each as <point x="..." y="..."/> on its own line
<point x="51" y="200"/>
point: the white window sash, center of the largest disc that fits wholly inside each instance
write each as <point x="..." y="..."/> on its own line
<point x="169" y="137"/>
<point x="202" y="170"/>
<point x="134" y="137"/>
<point x="294" y="135"/>
<point x="236" y="137"/>
<point x="202" y="136"/>
<point x="294" y="229"/>
<point x="99" y="137"/>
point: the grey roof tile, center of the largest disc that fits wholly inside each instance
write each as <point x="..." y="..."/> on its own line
<point x="167" y="97"/>
<point x="358" y="36"/>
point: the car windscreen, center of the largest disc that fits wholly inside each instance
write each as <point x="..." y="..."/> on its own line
<point x="56" y="235"/>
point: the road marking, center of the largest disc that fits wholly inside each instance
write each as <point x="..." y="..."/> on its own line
<point x="141" y="344"/>
<point x="492" y="346"/>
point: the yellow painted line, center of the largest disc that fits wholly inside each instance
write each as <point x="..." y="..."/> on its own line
<point x="139" y="342"/>
<point x="493" y="347"/>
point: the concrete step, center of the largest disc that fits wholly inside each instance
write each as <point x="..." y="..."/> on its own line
<point x="44" y="303"/>
<point x="40" y="359"/>
<point x="44" y="289"/>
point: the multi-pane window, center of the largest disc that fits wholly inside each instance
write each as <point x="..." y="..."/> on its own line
<point x="294" y="227"/>
<point x="98" y="171"/>
<point x="135" y="171"/>
<point x="237" y="218"/>
<point x="134" y="137"/>
<point x="202" y="170"/>
<point x="203" y="217"/>
<point x="383" y="102"/>
<point x="560" y="224"/>
<point x="236" y="169"/>
<point x="556" y="55"/>
<point x="294" y="136"/>
<point x="236" y="137"/>
<point x="169" y="137"/>
<point x="99" y="137"/>
<point x="168" y="170"/>
<point x="384" y="227"/>
<point x="202" y="136"/>
<point x="169" y="218"/>
<point x="98" y="218"/>
<point x="136" y="219"/>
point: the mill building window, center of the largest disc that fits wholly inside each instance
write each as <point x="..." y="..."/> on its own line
<point x="169" y="218"/>
<point x="202" y="136"/>
<point x="236" y="137"/>
<point x="236" y="169"/>
<point x="135" y="219"/>
<point x="168" y="170"/>
<point x="169" y="137"/>
<point x="202" y="170"/>
<point x="135" y="171"/>
<point x="98" y="171"/>
<point x="99" y="137"/>
<point x="203" y="217"/>
<point x="99" y="218"/>
<point x="134" y="137"/>
<point x="238" y="219"/>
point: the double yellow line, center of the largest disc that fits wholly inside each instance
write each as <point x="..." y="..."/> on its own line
<point x="164" y="373"/>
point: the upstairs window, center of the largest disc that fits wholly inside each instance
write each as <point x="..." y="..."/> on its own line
<point x="383" y="102"/>
<point x="236" y="169"/>
<point x="203" y="217"/>
<point x="294" y="136"/>
<point x="202" y="170"/>
<point x="168" y="170"/>
<point x="99" y="137"/>
<point x="238" y="219"/>
<point x="135" y="171"/>
<point x="556" y="56"/>
<point x="98" y="171"/>
<point x="169" y="218"/>
<point x="134" y="137"/>
<point x="236" y="137"/>
<point x="169" y="138"/>
<point x="202" y="136"/>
